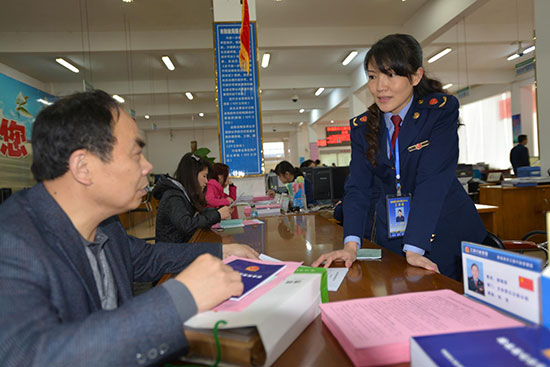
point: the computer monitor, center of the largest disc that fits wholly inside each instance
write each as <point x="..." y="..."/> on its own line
<point x="272" y="182"/>
<point x="464" y="170"/>
<point x="339" y="176"/>
<point x="322" y="183"/>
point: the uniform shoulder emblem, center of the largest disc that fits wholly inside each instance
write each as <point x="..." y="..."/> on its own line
<point x="359" y="120"/>
<point x="437" y="100"/>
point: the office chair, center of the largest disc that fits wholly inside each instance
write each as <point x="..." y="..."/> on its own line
<point x="145" y="207"/>
<point x="518" y="245"/>
<point x="492" y="240"/>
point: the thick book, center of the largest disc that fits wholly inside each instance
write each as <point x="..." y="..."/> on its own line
<point x="253" y="274"/>
<point x="376" y="331"/>
<point x="521" y="346"/>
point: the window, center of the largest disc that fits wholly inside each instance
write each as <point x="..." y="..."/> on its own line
<point x="274" y="150"/>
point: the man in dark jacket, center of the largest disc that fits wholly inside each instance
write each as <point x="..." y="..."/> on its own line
<point x="519" y="155"/>
<point x="67" y="264"/>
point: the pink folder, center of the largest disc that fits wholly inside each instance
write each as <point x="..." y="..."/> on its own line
<point x="376" y="331"/>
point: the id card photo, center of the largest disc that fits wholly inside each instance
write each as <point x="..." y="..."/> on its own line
<point x="398" y="208"/>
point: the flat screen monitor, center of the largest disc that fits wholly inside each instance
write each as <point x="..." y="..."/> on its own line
<point x="339" y="176"/>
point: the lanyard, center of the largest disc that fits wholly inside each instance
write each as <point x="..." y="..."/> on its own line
<point x="395" y="153"/>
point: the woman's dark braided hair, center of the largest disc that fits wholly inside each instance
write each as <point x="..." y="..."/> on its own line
<point x="400" y="54"/>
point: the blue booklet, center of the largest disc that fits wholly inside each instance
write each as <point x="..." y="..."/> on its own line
<point x="253" y="274"/>
<point x="521" y="346"/>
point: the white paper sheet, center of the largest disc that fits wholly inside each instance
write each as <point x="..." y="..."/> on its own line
<point x="335" y="276"/>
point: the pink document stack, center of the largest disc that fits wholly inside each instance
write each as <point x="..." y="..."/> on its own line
<point x="376" y="331"/>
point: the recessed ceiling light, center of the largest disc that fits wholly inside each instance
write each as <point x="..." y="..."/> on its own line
<point x="447" y="86"/>
<point x="43" y="101"/>
<point x="201" y="114"/>
<point x="302" y="110"/>
<point x="439" y="55"/>
<point x="332" y="121"/>
<point x="66" y="64"/>
<point x="319" y="91"/>
<point x="118" y="98"/>
<point x="127" y="1"/>
<point x="147" y="117"/>
<point x="350" y="57"/>
<point x="301" y="123"/>
<point x="169" y="65"/>
<point x="265" y="60"/>
<point x="189" y="96"/>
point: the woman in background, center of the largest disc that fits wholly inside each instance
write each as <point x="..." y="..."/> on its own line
<point x="182" y="208"/>
<point x="288" y="173"/>
<point x="218" y="181"/>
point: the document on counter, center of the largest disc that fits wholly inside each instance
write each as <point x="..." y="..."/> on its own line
<point x="264" y="257"/>
<point x="335" y="276"/>
<point x="376" y="331"/>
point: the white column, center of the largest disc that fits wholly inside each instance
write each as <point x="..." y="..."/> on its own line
<point x="542" y="29"/>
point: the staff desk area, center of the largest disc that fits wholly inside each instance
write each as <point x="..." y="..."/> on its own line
<point x="305" y="238"/>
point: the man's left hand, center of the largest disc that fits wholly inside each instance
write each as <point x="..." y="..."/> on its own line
<point x="240" y="251"/>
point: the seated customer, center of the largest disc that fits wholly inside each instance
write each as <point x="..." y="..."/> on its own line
<point x="287" y="173"/>
<point x="182" y="206"/>
<point x="218" y="181"/>
<point x="67" y="264"/>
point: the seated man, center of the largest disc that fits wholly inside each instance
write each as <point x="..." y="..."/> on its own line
<point x="67" y="265"/>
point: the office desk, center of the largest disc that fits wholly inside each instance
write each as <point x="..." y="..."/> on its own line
<point x="488" y="215"/>
<point x="306" y="237"/>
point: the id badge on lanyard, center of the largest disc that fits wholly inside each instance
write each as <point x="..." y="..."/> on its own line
<point x="397" y="206"/>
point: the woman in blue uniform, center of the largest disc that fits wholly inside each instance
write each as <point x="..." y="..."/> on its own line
<point x="408" y="140"/>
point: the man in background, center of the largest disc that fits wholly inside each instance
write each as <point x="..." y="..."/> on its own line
<point x="67" y="264"/>
<point x="519" y="155"/>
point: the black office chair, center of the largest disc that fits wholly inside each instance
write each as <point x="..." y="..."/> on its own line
<point x="492" y="240"/>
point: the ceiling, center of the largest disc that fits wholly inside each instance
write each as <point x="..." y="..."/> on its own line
<point x="118" y="46"/>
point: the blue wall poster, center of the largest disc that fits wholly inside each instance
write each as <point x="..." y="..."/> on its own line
<point x="19" y="105"/>
<point x="238" y="102"/>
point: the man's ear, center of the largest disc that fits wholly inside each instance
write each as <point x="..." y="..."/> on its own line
<point x="79" y="166"/>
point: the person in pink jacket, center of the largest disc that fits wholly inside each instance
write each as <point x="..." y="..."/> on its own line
<point x="218" y="181"/>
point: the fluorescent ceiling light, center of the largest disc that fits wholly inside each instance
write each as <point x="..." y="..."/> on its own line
<point x="513" y="57"/>
<point x="118" y="98"/>
<point x="302" y="110"/>
<point x="447" y="86"/>
<point x="128" y="1"/>
<point x="201" y="114"/>
<point x="265" y="60"/>
<point x="71" y="67"/>
<point x="189" y="96"/>
<point x="43" y="101"/>
<point x="147" y="117"/>
<point x="439" y="55"/>
<point x="529" y="49"/>
<point x="319" y="91"/>
<point x="301" y="123"/>
<point x="168" y="63"/>
<point x="350" y="57"/>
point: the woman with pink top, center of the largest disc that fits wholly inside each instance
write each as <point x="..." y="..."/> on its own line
<point x="218" y="181"/>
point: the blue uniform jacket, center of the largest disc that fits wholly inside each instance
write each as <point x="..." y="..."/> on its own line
<point x="441" y="213"/>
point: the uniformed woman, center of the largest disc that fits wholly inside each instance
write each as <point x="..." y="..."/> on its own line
<point x="408" y="141"/>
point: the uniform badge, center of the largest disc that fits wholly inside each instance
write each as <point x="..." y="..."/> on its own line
<point x="432" y="238"/>
<point x="416" y="115"/>
<point x="353" y="122"/>
<point x="420" y="101"/>
<point x="433" y="101"/>
<point x="418" y="146"/>
<point x="363" y="119"/>
<point x="444" y="101"/>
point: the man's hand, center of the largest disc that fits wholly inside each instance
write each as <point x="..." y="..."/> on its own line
<point x="210" y="281"/>
<point x="230" y="200"/>
<point x="225" y="212"/>
<point x="271" y="193"/>
<point x="348" y="255"/>
<point x="420" y="261"/>
<point x="240" y="251"/>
